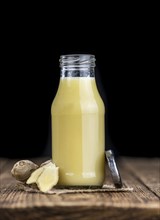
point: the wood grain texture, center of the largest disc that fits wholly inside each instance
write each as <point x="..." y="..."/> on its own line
<point x="147" y="171"/>
<point x="142" y="203"/>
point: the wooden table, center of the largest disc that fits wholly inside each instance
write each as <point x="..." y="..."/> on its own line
<point x="143" y="174"/>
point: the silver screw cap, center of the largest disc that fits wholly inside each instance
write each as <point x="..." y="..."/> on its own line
<point x="113" y="169"/>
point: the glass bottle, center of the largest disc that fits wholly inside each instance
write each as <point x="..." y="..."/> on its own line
<point x="78" y="138"/>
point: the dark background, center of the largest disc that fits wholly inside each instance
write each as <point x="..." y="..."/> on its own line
<point x="124" y="43"/>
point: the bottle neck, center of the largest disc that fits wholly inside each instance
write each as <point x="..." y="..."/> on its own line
<point x="77" y="72"/>
<point x="77" y="65"/>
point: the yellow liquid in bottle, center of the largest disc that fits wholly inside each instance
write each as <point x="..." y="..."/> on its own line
<point x="78" y="132"/>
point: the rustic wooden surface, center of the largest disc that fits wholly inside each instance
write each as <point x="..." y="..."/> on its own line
<point x="143" y="174"/>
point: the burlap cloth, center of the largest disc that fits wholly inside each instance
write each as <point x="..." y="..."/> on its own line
<point x="105" y="188"/>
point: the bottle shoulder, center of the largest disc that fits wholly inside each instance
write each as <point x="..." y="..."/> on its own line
<point x="77" y="95"/>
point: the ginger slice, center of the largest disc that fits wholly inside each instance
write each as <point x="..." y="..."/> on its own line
<point x="34" y="176"/>
<point x="48" y="178"/>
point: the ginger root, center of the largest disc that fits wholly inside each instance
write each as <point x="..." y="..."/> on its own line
<point x="45" y="177"/>
<point x="23" y="169"/>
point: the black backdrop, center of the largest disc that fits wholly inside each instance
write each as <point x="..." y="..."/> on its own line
<point x="123" y="43"/>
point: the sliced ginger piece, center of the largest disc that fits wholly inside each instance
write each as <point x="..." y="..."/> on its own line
<point x="48" y="178"/>
<point x="34" y="176"/>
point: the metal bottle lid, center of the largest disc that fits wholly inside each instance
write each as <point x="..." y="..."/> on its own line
<point x="113" y="169"/>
